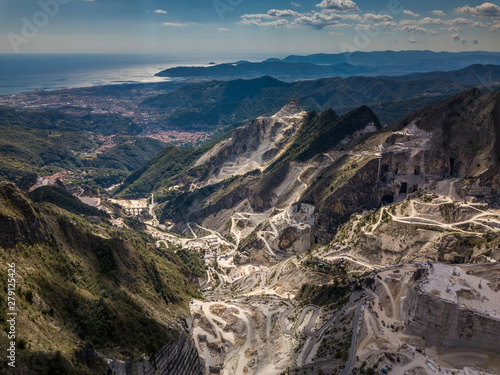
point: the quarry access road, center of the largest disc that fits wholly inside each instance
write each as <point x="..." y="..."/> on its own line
<point x="354" y="341"/>
<point x="413" y="219"/>
<point x="352" y="259"/>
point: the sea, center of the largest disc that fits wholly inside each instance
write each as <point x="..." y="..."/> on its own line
<point x="30" y="72"/>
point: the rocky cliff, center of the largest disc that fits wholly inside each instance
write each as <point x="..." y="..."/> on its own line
<point x="253" y="146"/>
<point x="177" y="358"/>
<point x="442" y="308"/>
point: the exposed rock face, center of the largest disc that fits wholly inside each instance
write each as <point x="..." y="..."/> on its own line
<point x="255" y="145"/>
<point x="457" y="138"/>
<point x="448" y="318"/>
<point x="177" y="358"/>
<point x="334" y="208"/>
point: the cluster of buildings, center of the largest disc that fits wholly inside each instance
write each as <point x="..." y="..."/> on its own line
<point x="80" y="102"/>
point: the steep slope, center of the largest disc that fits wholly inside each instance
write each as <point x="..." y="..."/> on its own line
<point x="159" y="171"/>
<point x="335" y="167"/>
<point x="117" y="290"/>
<point x="305" y="157"/>
<point x="454" y="138"/>
<point x="254" y="146"/>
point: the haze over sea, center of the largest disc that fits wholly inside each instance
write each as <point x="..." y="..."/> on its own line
<point x="28" y="72"/>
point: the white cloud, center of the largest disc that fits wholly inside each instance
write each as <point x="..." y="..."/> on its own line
<point x="370" y="17"/>
<point x="256" y="15"/>
<point x="273" y="13"/>
<point x="175" y="24"/>
<point x="283" y="13"/>
<point x="317" y="20"/>
<point x="160" y="11"/>
<point x="410" y="13"/>
<point x="364" y="27"/>
<point x="423" y="21"/>
<point x="439" y="21"/>
<point x="456" y="30"/>
<point x="386" y="24"/>
<point x="222" y="29"/>
<point x="337" y="25"/>
<point x="338" y="5"/>
<point x="280" y="22"/>
<point x="465" y="21"/>
<point x="485" y="10"/>
<point x="295" y="4"/>
<point x="414" y="29"/>
<point x="495" y="27"/>
<point x="439" y="13"/>
<point x="354" y="17"/>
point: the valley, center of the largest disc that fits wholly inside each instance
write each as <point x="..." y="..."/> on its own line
<point x="291" y="239"/>
<point x="275" y="301"/>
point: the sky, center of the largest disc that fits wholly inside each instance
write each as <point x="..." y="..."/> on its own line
<point x="275" y="27"/>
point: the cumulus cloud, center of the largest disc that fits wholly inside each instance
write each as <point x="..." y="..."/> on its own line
<point x="423" y="21"/>
<point x="465" y="21"/>
<point x="439" y="13"/>
<point x="456" y="30"/>
<point x="370" y="17"/>
<point x="317" y="20"/>
<point x="414" y="29"/>
<point x="354" y="17"/>
<point x="386" y="24"/>
<point x="495" y="27"/>
<point x="295" y="4"/>
<point x="410" y="13"/>
<point x="160" y="11"/>
<point x="364" y="27"/>
<point x="439" y="21"/>
<point x="273" y="13"/>
<point x="338" y="5"/>
<point x="280" y="22"/>
<point x="485" y="10"/>
<point x="283" y="13"/>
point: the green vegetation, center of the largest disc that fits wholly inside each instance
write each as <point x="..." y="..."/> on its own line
<point x="51" y="142"/>
<point x="117" y="290"/>
<point x="322" y="295"/>
<point x="212" y="104"/>
<point x="65" y="200"/>
<point x="24" y="151"/>
<point x="58" y="121"/>
<point x="159" y="171"/>
<point x="321" y="133"/>
<point x="193" y="261"/>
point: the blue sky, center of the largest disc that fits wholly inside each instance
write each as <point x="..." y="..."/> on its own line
<point x="246" y="26"/>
